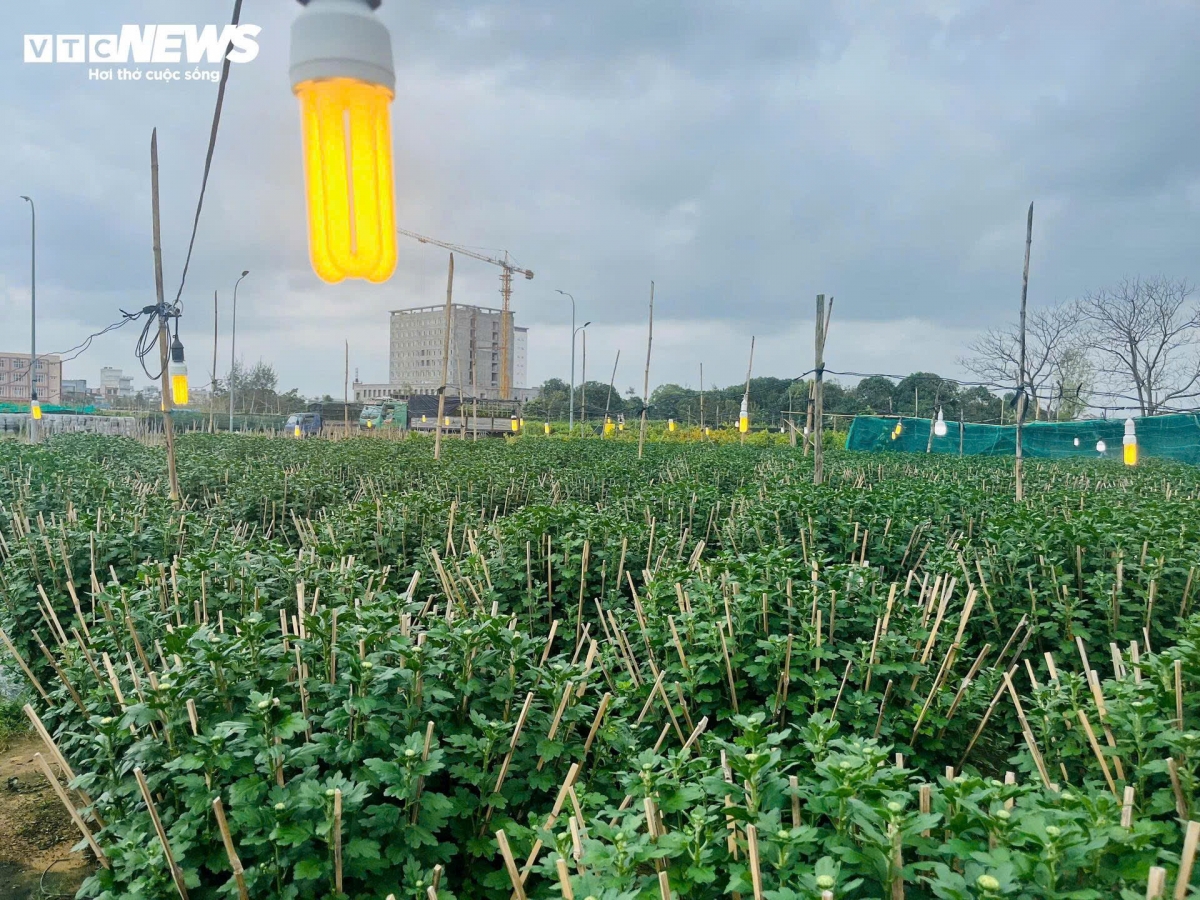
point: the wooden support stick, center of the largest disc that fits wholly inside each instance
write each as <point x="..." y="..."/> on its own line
<point x="71" y="810"/>
<point x="755" y="872"/>
<point x="337" y="840"/>
<point x="176" y="872"/>
<point x="235" y="862"/>
<point x="510" y="865"/>
<point x="1091" y="736"/>
<point x="1187" y="860"/>
<point x="24" y="668"/>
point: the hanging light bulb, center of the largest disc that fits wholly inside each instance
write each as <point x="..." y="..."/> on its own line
<point x="342" y="73"/>
<point x="177" y="370"/>
<point x="35" y="408"/>
<point x="939" y="427"/>
<point x="296" y="432"/>
<point x="547" y="428"/>
<point x="1129" y="444"/>
<point x="670" y="424"/>
<point x="744" y="416"/>
<point x="514" y="424"/>
<point x="1101" y="446"/>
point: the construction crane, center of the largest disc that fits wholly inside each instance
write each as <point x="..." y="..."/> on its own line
<point x="506" y="274"/>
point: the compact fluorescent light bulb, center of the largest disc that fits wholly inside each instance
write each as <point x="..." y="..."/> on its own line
<point x="177" y="371"/>
<point x="342" y="73"/>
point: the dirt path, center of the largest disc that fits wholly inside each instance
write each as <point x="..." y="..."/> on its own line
<point x="37" y="834"/>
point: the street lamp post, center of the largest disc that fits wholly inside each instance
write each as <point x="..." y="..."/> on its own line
<point x="233" y="347"/>
<point x="573" y="333"/>
<point x="33" y="425"/>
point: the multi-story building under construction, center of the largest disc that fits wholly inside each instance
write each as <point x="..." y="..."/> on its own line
<point x="416" y="346"/>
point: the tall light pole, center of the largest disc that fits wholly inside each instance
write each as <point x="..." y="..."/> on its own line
<point x="573" y="333"/>
<point x="32" y="318"/>
<point x="571" y="424"/>
<point x="233" y="347"/>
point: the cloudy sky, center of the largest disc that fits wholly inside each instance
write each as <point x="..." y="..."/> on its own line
<point x="743" y="154"/>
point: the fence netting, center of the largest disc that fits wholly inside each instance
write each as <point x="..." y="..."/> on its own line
<point x="1169" y="437"/>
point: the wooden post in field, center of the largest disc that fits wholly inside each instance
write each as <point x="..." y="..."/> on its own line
<point x="1021" y="374"/>
<point x="163" y="352"/>
<point x="346" y="396"/>
<point x="701" y="398"/>
<point x="818" y="432"/>
<point x="608" y="402"/>
<point x="646" y="383"/>
<point x="437" y="432"/>
<point x="212" y="386"/>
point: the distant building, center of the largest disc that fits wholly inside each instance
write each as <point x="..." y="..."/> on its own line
<point x="417" y="338"/>
<point x="14" y="378"/>
<point x="115" y="384"/>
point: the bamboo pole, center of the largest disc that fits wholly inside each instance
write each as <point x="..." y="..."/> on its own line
<point x="1017" y="471"/>
<point x="176" y="872"/>
<point x="437" y="433"/>
<point x="71" y="810"/>
<point x="646" y="382"/>
<point x="163" y="352"/>
<point x="235" y="862"/>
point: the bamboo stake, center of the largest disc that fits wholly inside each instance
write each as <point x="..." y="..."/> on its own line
<point x="1091" y="736"/>
<point x="1028" y="734"/>
<point x="564" y="878"/>
<point x="1187" y="860"/>
<point x="510" y="864"/>
<point x="1156" y="883"/>
<point x="24" y="668"/>
<point x="646" y="384"/>
<point x="755" y="873"/>
<point x="235" y="862"/>
<point x="337" y="839"/>
<point x="71" y="810"/>
<point x="176" y="872"/>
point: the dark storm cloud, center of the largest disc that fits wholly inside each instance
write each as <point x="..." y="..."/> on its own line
<point x="745" y="155"/>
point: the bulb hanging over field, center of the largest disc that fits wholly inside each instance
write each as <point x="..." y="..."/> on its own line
<point x="939" y="427"/>
<point x="177" y="370"/>
<point x="35" y="408"/>
<point x="744" y="417"/>
<point x="1129" y="444"/>
<point x="342" y="73"/>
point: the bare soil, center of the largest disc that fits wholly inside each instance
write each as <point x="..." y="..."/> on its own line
<point x="36" y="833"/>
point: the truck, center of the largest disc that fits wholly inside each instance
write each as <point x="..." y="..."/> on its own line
<point x="304" y="424"/>
<point x="386" y="414"/>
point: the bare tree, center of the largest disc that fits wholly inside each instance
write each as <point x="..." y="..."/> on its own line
<point x="1145" y="333"/>
<point x="1051" y="338"/>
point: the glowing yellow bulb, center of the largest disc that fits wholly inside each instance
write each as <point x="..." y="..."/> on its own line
<point x="179" y="387"/>
<point x="347" y="132"/>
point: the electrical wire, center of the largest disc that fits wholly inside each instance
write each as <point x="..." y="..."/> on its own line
<point x="79" y="348"/>
<point x="212" y="143"/>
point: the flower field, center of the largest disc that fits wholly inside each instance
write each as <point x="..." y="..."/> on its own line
<point x="544" y="668"/>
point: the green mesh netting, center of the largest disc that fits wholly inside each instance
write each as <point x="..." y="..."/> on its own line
<point x="1170" y="437"/>
<point x="47" y="408"/>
